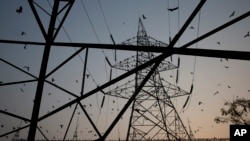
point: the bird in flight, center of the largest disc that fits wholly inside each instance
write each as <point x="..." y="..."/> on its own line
<point x="191" y="27"/>
<point x="200" y="103"/>
<point x="218" y="43"/>
<point x="247" y="35"/>
<point x="61" y="125"/>
<point x="23" y="33"/>
<point x="25" y="46"/>
<point x="232" y="14"/>
<point x="143" y="16"/>
<point x="216" y="92"/>
<point x="87" y="75"/>
<point x="19" y="10"/>
<point x="173" y="9"/>
<point x="52" y="80"/>
<point x="26" y="67"/>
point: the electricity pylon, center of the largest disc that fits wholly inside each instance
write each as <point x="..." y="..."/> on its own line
<point x="153" y="114"/>
<point x="161" y="92"/>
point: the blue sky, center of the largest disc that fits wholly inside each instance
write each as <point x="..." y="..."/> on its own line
<point x="122" y="18"/>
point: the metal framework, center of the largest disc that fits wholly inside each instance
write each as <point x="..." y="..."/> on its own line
<point x="152" y="63"/>
<point x="153" y="115"/>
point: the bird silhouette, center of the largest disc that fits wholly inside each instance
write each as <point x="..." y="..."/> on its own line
<point x="25" y="46"/>
<point x="218" y="43"/>
<point x="2" y="125"/>
<point x="216" y="92"/>
<point x="61" y="126"/>
<point x="19" y="10"/>
<point x="232" y="14"/>
<point x="191" y="27"/>
<point x="23" y="33"/>
<point x="87" y="75"/>
<point x="143" y="16"/>
<point x="247" y="35"/>
<point x="200" y="103"/>
<point x="27" y="67"/>
<point x="226" y="67"/>
<point x="173" y="9"/>
<point x="22" y="90"/>
<point x="229" y="86"/>
<point x="52" y="80"/>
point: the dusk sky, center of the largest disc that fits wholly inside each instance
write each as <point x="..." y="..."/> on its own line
<point x="216" y="80"/>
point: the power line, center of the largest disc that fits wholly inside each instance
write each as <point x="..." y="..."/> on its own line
<point x="92" y="26"/>
<point x="169" y="26"/>
<point x="107" y="25"/>
<point x="105" y="19"/>
<point x="196" y="45"/>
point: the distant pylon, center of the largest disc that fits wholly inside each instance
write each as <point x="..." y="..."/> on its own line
<point x="153" y="115"/>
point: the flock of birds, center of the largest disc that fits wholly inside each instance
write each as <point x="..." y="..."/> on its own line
<point x="19" y="10"/>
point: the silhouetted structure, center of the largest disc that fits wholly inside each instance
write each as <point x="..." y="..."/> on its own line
<point x="153" y="114"/>
<point x="147" y="70"/>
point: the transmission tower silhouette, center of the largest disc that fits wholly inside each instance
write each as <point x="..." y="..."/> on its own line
<point x="153" y="114"/>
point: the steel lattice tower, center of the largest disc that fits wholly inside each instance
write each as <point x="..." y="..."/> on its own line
<point x="153" y="115"/>
<point x="149" y="94"/>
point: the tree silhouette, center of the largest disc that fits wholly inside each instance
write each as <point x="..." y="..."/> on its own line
<point x="236" y="112"/>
